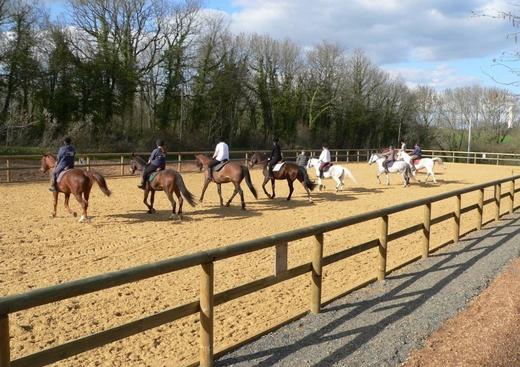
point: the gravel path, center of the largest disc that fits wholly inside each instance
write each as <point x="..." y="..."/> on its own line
<point x="380" y="324"/>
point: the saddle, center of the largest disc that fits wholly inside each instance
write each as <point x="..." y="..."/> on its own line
<point x="62" y="173"/>
<point x="278" y="166"/>
<point x="390" y="164"/>
<point x="327" y="166"/>
<point x="219" y="166"/>
<point x="152" y="176"/>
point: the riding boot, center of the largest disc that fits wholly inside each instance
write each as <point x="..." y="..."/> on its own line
<point x="142" y="184"/>
<point x="54" y="186"/>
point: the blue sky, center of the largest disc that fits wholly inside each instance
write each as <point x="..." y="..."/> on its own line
<point x="433" y="42"/>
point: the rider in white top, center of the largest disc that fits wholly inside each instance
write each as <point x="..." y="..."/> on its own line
<point x="221" y="154"/>
<point x="324" y="159"/>
<point x="403" y="146"/>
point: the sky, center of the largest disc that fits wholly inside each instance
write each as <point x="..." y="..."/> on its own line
<point x="439" y="43"/>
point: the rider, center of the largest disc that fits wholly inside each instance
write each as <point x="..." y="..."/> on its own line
<point x="221" y="154"/>
<point x="416" y="154"/>
<point x="390" y="157"/>
<point x="301" y="159"/>
<point x="324" y="158"/>
<point x="156" y="162"/>
<point x="65" y="161"/>
<point x="403" y="146"/>
<point x="276" y="156"/>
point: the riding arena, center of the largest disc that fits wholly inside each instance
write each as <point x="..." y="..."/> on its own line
<point x="134" y="286"/>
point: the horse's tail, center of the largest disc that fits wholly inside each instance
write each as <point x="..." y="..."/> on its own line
<point x="347" y="172"/>
<point x="306" y="178"/>
<point x="188" y="196"/>
<point x="249" y="183"/>
<point x="439" y="160"/>
<point x="98" y="177"/>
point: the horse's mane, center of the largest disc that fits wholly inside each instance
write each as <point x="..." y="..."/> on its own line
<point x="139" y="159"/>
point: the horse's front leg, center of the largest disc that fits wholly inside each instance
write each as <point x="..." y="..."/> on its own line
<point x="378" y="177"/>
<point x="320" y="185"/>
<point x="387" y="179"/>
<point x="55" y="203"/>
<point x="219" y="190"/>
<point x="206" y="183"/>
<point x="263" y="187"/>
<point x="272" y="188"/>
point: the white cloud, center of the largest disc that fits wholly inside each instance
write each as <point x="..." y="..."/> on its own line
<point x="389" y="30"/>
<point x="440" y="77"/>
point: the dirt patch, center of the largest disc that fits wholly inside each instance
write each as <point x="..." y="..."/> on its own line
<point x="37" y="251"/>
<point x="485" y="334"/>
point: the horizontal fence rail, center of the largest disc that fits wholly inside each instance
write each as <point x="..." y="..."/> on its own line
<point x="12" y="163"/>
<point x="205" y="260"/>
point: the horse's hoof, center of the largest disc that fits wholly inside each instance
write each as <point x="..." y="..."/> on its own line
<point x="53" y="215"/>
<point x="227" y="205"/>
<point x="174" y="216"/>
<point x="83" y="219"/>
<point x="75" y="214"/>
<point x="243" y="208"/>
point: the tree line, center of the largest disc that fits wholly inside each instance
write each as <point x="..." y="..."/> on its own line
<point x="116" y="74"/>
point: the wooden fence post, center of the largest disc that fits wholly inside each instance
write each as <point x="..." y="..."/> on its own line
<point x="512" y="197"/>
<point x="456" y="219"/>
<point x="206" y="314"/>
<point x="317" y="258"/>
<point x="336" y="159"/>
<point x="247" y="160"/>
<point x="88" y="163"/>
<point x="498" y="193"/>
<point x="5" y="358"/>
<point x="179" y="157"/>
<point x="8" y="171"/>
<point x="383" y="240"/>
<point x="358" y="155"/>
<point x="498" y="156"/>
<point x="122" y="165"/>
<point x="453" y="157"/>
<point x="480" y="209"/>
<point x="348" y="155"/>
<point x="426" y="230"/>
<point x="475" y="159"/>
<point x="280" y="260"/>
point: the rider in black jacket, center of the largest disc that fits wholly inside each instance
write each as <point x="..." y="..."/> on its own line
<point x="276" y="156"/>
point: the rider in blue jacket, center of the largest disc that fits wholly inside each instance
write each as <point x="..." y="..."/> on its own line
<point x="65" y="160"/>
<point x="156" y="162"/>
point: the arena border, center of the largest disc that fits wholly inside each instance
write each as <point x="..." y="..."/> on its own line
<point x="205" y="259"/>
<point x="338" y="155"/>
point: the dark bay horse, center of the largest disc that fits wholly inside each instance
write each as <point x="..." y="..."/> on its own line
<point x="167" y="180"/>
<point x="289" y="171"/>
<point x="77" y="182"/>
<point x="231" y="172"/>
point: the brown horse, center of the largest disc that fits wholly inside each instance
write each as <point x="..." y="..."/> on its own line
<point x="77" y="182"/>
<point x="289" y="171"/>
<point x="231" y="172"/>
<point x="167" y="180"/>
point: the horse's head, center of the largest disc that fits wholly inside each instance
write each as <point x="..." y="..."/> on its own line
<point x="256" y="158"/>
<point x="373" y="158"/>
<point x="133" y="165"/>
<point x="200" y="159"/>
<point x="48" y="161"/>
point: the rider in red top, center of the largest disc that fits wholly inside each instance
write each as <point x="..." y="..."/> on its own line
<point x="390" y="157"/>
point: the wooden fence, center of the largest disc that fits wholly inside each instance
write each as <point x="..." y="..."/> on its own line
<point x="205" y="260"/>
<point x="120" y="160"/>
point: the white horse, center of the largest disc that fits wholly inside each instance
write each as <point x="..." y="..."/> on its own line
<point x="426" y="163"/>
<point x="398" y="167"/>
<point x="336" y="172"/>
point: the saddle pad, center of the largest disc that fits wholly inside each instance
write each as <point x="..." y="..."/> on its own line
<point x="390" y="164"/>
<point x="278" y="166"/>
<point x="416" y="161"/>
<point x="60" y="176"/>
<point x="327" y="167"/>
<point x="152" y="176"/>
<point x="219" y="166"/>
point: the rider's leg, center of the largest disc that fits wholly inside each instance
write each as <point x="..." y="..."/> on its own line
<point x="212" y="164"/>
<point x="54" y="178"/>
<point x="270" y="167"/>
<point x="147" y="171"/>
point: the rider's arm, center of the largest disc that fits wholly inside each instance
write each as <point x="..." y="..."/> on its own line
<point x="217" y="148"/>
